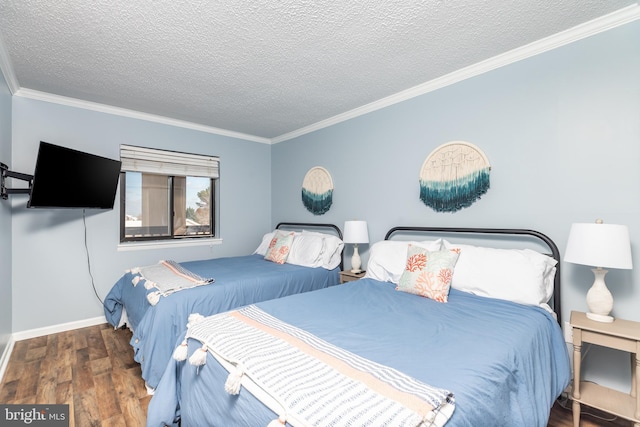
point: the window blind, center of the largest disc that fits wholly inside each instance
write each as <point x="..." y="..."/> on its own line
<point x="164" y="162"/>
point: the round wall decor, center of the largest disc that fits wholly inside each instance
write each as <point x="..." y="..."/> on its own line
<point x="454" y="176"/>
<point x="317" y="190"/>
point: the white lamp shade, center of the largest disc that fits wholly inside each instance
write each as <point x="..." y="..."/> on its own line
<point x="599" y="245"/>
<point x="355" y="232"/>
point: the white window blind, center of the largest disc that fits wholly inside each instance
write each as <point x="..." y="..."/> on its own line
<point x="164" y="162"/>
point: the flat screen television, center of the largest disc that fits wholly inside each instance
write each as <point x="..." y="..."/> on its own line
<point x="66" y="178"/>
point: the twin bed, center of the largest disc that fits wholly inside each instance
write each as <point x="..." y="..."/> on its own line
<point x="157" y="315"/>
<point x="394" y="348"/>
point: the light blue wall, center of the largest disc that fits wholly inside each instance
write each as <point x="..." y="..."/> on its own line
<point x="562" y="133"/>
<point x="5" y="219"/>
<point x="51" y="283"/>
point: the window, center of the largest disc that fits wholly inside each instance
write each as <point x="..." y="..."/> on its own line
<point x="166" y="194"/>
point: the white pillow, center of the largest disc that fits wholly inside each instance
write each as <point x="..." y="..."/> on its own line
<point x="306" y="250"/>
<point x="388" y="258"/>
<point x="264" y="245"/>
<point x="519" y="275"/>
<point x="332" y="252"/>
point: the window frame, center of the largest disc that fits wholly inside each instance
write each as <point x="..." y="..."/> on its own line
<point x="170" y="236"/>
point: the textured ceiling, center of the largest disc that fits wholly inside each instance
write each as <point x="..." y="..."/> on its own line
<point x="263" y="67"/>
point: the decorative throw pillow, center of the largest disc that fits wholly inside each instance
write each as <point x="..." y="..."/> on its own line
<point x="279" y="247"/>
<point x="427" y="273"/>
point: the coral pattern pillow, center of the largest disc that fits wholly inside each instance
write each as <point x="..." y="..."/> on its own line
<point x="427" y="273"/>
<point x="279" y="247"/>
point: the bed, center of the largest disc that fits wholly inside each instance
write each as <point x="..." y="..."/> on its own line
<point x="361" y="353"/>
<point x="157" y="315"/>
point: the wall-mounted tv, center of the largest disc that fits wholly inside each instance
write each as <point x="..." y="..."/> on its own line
<point x="66" y="178"/>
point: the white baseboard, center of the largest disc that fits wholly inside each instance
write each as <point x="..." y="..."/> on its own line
<point x="48" y="330"/>
<point x="4" y="359"/>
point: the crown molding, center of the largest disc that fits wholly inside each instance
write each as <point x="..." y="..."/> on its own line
<point x="579" y="32"/>
<point x="582" y="31"/>
<point x="108" y="109"/>
<point x="7" y="69"/>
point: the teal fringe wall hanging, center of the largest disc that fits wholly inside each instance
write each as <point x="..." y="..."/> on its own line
<point x="454" y="176"/>
<point x="317" y="191"/>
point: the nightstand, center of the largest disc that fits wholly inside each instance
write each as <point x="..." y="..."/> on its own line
<point x="622" y="335"/>
<point x="348" y="276"/>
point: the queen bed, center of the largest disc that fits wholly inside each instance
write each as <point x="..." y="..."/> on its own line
<point x="148" y="301"/>
<point x="378" y="351"/>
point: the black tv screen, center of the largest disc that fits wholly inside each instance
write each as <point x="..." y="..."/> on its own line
<point x="66" y="178"/>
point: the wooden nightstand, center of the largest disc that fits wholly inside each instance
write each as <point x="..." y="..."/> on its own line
<point x="622" y="335"/>
<point x="348" y="276"/>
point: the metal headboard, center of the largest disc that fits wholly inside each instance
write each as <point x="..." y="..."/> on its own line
<point x="555" y="253"/>
<point x="301" y="225"/>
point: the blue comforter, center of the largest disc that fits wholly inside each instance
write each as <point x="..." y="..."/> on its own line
<point x="506" y="363"/>
<point x="238" y="281"/>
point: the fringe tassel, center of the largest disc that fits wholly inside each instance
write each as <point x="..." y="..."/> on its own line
<point x="148" y="284"/>
<point x="193" y="319"/>
<point x="135" y="280"/>
<point x="451" y="196"/>
<point x="199" y="357"/>
<point x="279" y="422"/>
<point x="135" y="270"/>
<point x="232" y="385"/>
<point x="153" y="297"/>
<point x="180" y="353"/>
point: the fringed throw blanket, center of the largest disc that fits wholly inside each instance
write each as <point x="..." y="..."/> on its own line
<point x="308" y="381"/>
<point x="167" y="277"/>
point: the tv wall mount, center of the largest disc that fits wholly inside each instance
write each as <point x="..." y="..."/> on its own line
<point x="6" y="173"/>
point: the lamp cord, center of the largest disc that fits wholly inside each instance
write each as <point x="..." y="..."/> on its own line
<point x="86" y="248"/>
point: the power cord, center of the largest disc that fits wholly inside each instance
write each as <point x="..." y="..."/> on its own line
<point x="86" y="247"/>
<point x="564" y="401"/>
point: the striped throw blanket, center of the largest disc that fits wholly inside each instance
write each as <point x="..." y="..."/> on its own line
<point x="167" y="277"/>
<point x="308" y="381"/>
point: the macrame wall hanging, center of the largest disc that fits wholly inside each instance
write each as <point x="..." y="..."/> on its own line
<point x="454" y="176"/>
<point x="317" y="190"/>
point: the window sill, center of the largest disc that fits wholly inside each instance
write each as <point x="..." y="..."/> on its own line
<point x="164" y="244"/>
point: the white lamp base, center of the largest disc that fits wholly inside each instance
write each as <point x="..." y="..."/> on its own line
<point x="600" y="318"/>
<point x="599" y="299"/>
<point x="355" y="260"/>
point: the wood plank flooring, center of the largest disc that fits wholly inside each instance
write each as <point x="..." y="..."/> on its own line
<point x="92" y="369"/>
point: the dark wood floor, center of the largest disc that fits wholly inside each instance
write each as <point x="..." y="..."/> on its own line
<point x="92" y="369"/>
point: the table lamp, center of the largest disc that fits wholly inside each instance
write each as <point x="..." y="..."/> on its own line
<point x="602" y="246"/>
<point x="355" y="232"/>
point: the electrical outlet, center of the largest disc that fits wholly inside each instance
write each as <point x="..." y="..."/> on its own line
<point x="568" y="332"/>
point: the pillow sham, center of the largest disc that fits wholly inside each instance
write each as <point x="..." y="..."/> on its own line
<point x="428" y="273"/>
<point x="332" y="251"/>
<point x="519" y="275"/>
<point x="279" y="247"/>
<point x="306" y="250"/>
<point x="388" y="258"/>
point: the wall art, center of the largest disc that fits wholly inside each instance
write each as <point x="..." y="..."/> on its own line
<point x="454" y="176"/>
<point x="317" y="190"/>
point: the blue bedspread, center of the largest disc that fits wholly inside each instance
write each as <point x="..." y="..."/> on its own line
<point x="506" y="363"/>
<point x="238" y="281"/>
